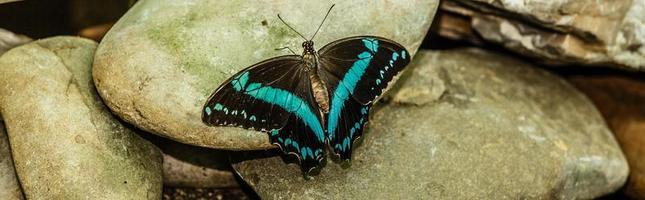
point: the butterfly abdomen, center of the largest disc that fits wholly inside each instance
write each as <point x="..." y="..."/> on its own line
<point x="318" y="87"/>
<point x="320" y="91"/>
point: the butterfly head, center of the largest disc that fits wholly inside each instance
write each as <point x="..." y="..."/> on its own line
<point x="308" y="47"/>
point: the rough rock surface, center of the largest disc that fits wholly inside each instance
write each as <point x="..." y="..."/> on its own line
<point x="620" y="99"/>
<point x="558" y="32"/>
<point x="158" y="64"/>
<point x="9" y="185"/>
<point x="501" y="129"/>
<point x="64" y="141"/>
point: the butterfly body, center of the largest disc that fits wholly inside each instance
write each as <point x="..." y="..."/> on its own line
<point x="312" y="101"/>
<point x="310" y="61"/>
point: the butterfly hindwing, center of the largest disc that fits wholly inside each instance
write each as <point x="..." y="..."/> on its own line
<point x="354" y="116"/>
<point x="272" y="96"/>
<point x="296" y="138"/>
<point x="356" y="70"/>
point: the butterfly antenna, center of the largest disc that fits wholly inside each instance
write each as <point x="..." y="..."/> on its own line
<point x="323" y="21"/>
<point x="294" y="30"/>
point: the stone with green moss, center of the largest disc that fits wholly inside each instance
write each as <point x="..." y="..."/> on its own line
<point x="481" y="126"/>
<point x="65" y="143"/>
<point x="158" y="64"/>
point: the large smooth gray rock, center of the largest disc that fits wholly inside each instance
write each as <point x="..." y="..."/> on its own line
<point x="595" y="33"/>
<point x="158" y="64"/>
<point x="9" y="186"/>
<point x="501" y="129"/>
<point x="64" y="141"/>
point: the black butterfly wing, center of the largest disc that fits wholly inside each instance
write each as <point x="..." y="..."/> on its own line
<point x="353" y="116"/>
<point x="229" y="105"/>
<point x="356" y="70"/>
<point x="373" y="62"/>
<point x="272" y="96"/>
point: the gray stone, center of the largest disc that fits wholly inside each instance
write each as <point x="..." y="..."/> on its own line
<point x="502" y="129"/>
<point x="9" y="186"/>
<point x="9" y="40"/>
<point x="64" y="141"/>
<point x="159" y="63"/>
<point x="187" y="166"/>
<point x="605" y="33"/>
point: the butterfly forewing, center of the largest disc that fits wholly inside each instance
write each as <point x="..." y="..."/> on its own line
<point x="231" y="105"/>
<point x="387" y="58"/>
<point x="356" y="70"/>
<point x="272" y="96"/>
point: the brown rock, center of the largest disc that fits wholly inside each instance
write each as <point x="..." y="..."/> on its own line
<point x="90" y="13"/>
<point x="559" y="32"/>
<point x="621" y="99"/>
<point x="95" y="33"/>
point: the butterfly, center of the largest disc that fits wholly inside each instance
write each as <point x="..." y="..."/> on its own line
<point x="307" y="103"/>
